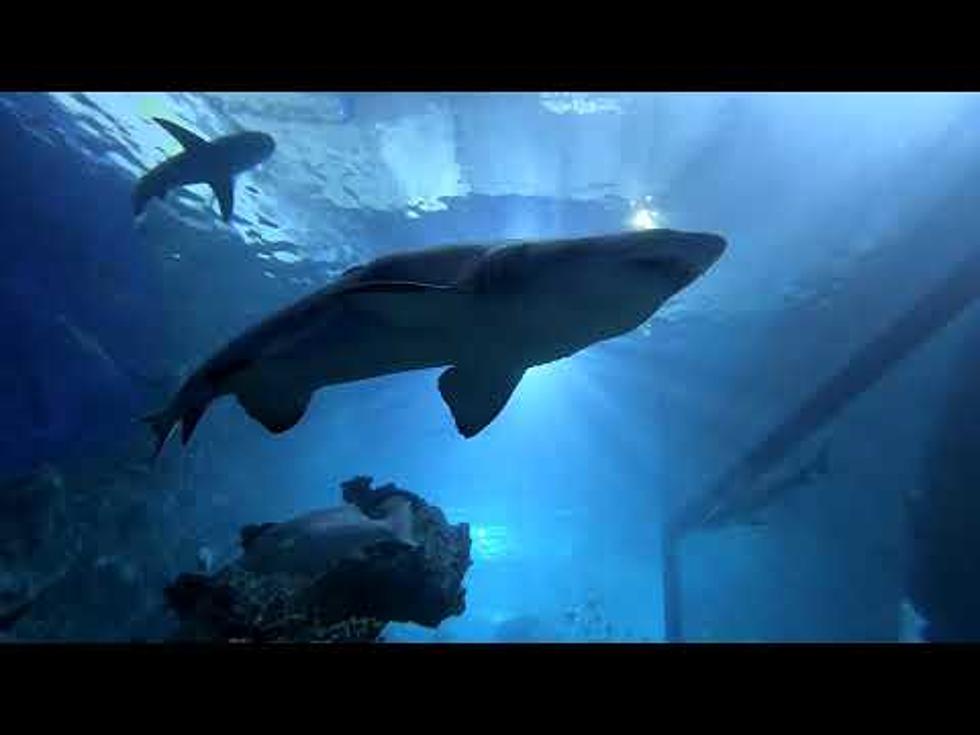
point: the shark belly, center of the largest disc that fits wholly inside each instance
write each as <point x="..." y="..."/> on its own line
<point x="277" y="383"/>
<point x="196" y="168"/>
<point x="527" y="331"/>
<point x="371" y="352"/>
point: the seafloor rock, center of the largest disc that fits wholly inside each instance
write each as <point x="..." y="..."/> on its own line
<point x="333" y="575"/>
<point x="85" y="546"/>
<point x="32" y="509"/>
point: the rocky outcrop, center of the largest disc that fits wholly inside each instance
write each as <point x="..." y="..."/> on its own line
<point x="352" y="575"/>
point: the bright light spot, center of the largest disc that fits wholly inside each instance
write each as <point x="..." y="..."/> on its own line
<point x="286" y="257"/>
<point x="911" y="624"/>
<point x="543" y="386"/>
<point x="645" y="219"/>
<point x="578" y="103"/>
<point x="489" y="542"/>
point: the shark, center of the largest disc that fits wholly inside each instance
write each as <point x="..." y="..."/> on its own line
<point x="214" y="162"/>
<point x="483" y="313"/>
<point x="747" y="507"/>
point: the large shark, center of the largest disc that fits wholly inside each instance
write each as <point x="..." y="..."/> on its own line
<point x="215" y="163"/>
<point x="485" y="313"/>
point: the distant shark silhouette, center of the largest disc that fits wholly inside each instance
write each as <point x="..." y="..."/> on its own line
<point x="202" y="162"/>
<point x="486" y="313"/>
<point x="744" y="508"/>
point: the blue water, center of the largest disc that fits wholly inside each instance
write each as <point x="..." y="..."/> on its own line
<point x="840" y="211"/>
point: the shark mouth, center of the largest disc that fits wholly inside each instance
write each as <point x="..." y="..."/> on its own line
<point x="676" y="269"/>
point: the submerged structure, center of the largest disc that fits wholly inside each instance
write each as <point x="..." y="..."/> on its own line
<point x="337" y="575"/>
<point x="944" y="515"/>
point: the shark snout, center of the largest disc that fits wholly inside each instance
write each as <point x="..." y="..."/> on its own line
<point x="250" y="148"/>
<point x="695" y="252"/>
<point x="716" y="243"/>
<point x="263" y="145"/>
<point x="687" y="254"/>
<point x="266" y="144"/>
<point x="705" y="249"/>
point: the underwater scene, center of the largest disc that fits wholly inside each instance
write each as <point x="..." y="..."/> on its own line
<point x="489" y="367"/>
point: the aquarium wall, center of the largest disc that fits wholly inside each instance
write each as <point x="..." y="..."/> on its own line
<point x="840" y="212"/>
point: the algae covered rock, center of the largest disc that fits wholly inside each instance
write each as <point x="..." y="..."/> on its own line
<point x="337" y="574"/>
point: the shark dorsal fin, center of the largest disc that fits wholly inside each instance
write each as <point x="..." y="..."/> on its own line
<point x="183" y="136"/>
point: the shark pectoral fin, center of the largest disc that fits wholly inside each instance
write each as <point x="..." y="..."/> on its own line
<point x="277" y="409"/>
<point x="477" y="394"/>
<point x="224" y="190"/>
<point x="185" y="137"/>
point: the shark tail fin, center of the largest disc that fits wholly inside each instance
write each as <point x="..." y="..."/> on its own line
<point x="186" y="409"/>
<point x="190" y="421"/>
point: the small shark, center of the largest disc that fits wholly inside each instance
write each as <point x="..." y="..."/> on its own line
<point x="485" y="313"/>
<point x="745" y="508"/>
<point x="202" y="162"/>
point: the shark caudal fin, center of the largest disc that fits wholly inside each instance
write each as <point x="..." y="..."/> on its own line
<point x="164" y="423"/>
